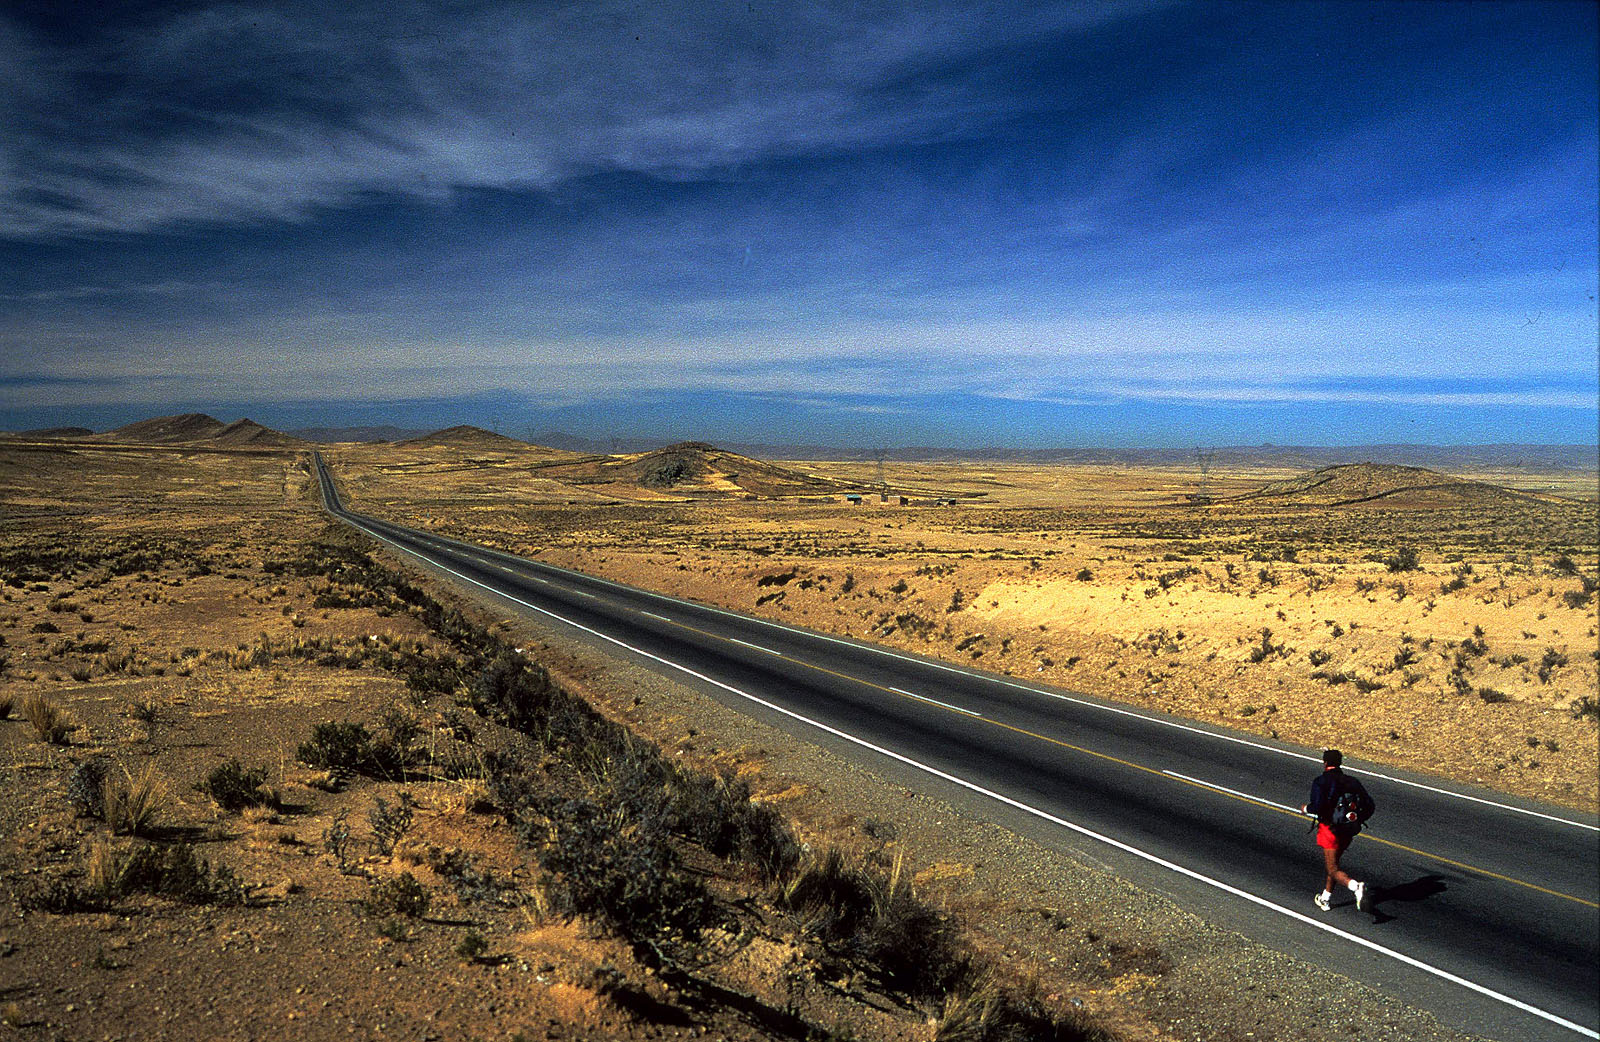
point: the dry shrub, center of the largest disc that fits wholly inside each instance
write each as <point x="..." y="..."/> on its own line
<point x="106" y="868"/>
<point x="343" y="746"/>
<point x="117" y="661"/>
<point x="50" y="722"/>
<point x="235" y="787"/>
<point x="981" y="1010"/>
<point x="132" y="804"/>
<point x="967" y="1013"/>
<point x="877" y="921"/>
<point x="86" y="789"/>
<point x="539" y="906"/>
<point x="623" y="871"/>
<point x="402" y="895"/>
<point x="349" y="748"/>
<point x="174" y="872"/>
<point x="116" y="870"/>
<point x="5" y="707"/>
<point x="826" y="890"/>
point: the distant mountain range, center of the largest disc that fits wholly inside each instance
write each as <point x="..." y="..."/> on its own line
<point x="1307" y="457"/>
<point x="198" y="427"/>
<point x="384" y="432"/>
<point x="56" y="432"/>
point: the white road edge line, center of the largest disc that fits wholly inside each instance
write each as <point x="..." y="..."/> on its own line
<point x="934" y="701"/>
<point x="1047" y="694"/>
<point x="1036" y="812"/>
<point x="1231" y="792"/>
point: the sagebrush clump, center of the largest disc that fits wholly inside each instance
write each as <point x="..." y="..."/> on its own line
<point x="234" y="787"/>
<point x="402" y="895"/>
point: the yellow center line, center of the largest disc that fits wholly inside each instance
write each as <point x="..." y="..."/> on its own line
<point x="1163" y="775"/>
<point x="1414" y="850"/>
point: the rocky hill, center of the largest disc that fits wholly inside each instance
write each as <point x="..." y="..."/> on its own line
<point x="694" y="468"/>
<point x="251" y="433"/>
<point x="189" y="426"/>
<point x="196" y="428"/>
<point x="1353" y="483"/>
<point x="464" y="436"/>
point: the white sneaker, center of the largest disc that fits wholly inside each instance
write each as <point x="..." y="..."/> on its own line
<point x="1361" y="896"/>
<point x="1321" y="901"/>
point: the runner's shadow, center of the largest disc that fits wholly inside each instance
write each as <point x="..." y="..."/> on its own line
<point x="1419" y="889"/>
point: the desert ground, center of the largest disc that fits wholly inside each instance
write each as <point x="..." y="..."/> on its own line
<point x="197" y="840"/>
<point x="1443" y="623"/>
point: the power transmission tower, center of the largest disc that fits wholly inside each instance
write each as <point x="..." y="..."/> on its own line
<point x="883" y="484"/>
<point x="1203" y="457"/>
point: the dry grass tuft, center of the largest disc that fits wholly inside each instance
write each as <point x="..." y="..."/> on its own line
<point x="538" y="907"/>
<point x="106" y="868"/>
<point x="50" y="722"/>
<point x="968" y="1012"/>
<point x="132" y="804"/>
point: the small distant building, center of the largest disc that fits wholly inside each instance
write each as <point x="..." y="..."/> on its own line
<point x="853" y="497"/>
<point x="949" y="501"/>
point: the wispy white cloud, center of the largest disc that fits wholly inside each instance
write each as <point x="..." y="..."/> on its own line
<point x="238" y="113"/>
<point x="168" y="288"/>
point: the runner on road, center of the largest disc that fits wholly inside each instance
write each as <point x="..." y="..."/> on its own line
<point x="1340" y="804"/>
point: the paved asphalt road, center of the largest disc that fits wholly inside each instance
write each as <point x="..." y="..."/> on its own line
<point x="1487" y="907"/>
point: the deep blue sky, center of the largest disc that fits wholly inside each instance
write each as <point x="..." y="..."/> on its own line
<point x="1117" y="224"/>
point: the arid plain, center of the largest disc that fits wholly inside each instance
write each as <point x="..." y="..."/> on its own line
<point x="189" y="611"/>
<point x="1445" y="623"/>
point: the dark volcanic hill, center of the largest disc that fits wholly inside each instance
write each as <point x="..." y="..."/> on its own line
<point x="694" y="467"/>
<point x="250" y="433"/>
<point x="464" y="436"/>
<point x="55" y="432"/>
<point x="1352" y="483"/>
<point x="198" y="429"/>
<point x="189" y="426"/>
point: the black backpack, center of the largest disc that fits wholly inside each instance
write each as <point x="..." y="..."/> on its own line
<point x="1351" y="804"/>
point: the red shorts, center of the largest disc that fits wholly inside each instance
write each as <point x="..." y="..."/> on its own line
<point x="1328" y="839"/>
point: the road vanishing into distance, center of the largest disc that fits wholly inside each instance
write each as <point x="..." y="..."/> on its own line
<point x="1487" y="907"/>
